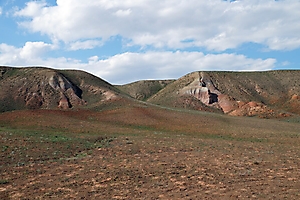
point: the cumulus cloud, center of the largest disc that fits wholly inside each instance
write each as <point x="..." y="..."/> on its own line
<point x="129" y="67"/>
<point x="33" y="50"/>
<point x="216" y="25"/>
<point x="30" y="54"/>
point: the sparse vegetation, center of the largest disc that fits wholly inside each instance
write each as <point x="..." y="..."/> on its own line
<point x="140" y="151"/>
<point x="142" y="90"/>
<point x="3" y="181"/>
<point x="128" y="149"/>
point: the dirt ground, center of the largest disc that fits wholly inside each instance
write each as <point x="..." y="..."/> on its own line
<point x="155" y="163"/>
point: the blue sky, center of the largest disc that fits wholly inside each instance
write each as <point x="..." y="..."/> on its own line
<point x="123" y="41"/>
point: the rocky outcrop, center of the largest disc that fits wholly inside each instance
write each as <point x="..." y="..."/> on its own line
<point x="203" y="89"/>
<point x="64" y="103"/>
<point x="37" y="87"/>
<point x="70" y="95"/>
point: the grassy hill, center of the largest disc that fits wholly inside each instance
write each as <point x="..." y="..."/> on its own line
<point x="142" y="90"/>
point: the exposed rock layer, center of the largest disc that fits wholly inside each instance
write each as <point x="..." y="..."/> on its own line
<point x="35" y="88"/>
<point x="264" y="94"/>
<point x="204" y="90"/>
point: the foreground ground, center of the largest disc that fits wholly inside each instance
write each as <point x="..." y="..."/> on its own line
<point x="142" y="152"/>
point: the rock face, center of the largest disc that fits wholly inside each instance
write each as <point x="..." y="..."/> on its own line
<point x="47" y="89"/>
<point x="70" y="95"/>
<point x="204" y="90"/>
<point x="64" y="103"/>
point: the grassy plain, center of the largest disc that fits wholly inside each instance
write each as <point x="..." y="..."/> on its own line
<point x="141" y="151"/>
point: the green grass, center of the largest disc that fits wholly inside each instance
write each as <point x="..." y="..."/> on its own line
<point x="21" y="147"/>
<point x="3" y="181"/>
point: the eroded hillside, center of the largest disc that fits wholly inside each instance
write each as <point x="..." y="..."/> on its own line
<point x="265" y="94"/>
<point x="34" y="88"/>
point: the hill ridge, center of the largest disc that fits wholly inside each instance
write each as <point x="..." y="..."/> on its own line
<point x="267" y="94"/>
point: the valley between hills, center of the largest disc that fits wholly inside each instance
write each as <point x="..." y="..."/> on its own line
<point x="67" y="134"/>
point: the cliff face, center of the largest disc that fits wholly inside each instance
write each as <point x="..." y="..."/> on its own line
<point x="34" y="88"/>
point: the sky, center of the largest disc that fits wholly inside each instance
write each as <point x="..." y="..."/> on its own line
<point x="122" y="41"/>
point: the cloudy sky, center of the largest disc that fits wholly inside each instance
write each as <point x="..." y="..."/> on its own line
<point x="123" y="41"/>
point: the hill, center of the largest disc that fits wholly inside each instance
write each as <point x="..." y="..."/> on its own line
<point x="269" y="94"/>
<point x="264" y="94"/>
<point x="142" y="90"/>
<point x="45" y="88"/>
<point x="122" y="148"/>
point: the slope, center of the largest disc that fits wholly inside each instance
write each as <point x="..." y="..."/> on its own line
<point x="265" y="94"/>
<point x="144" y="152"/>
<point x="45" y="88"/>
<point x="142" y="90"/>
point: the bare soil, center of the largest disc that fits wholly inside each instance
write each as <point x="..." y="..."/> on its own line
<point x="138" y="152"/>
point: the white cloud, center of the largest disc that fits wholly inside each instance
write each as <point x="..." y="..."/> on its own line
<point x="30" y="54"/>
<point x="123" y="13"/>
<point x="215" y="24"/>
<point x="33" y="9"/>
<point x="33" y="50"/>
<point x="93" y="60"/>
<point x="129" y="67"/>
<point x="7" y="54"/>
<point x="88" y="44"/>
<point x="0" y="10"/>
